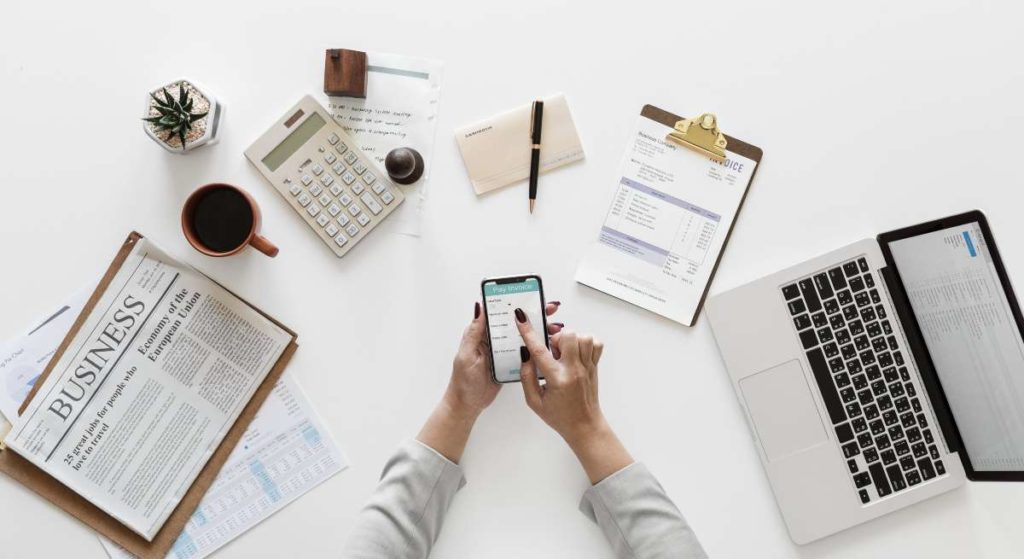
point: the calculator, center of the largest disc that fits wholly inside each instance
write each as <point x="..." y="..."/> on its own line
<point x="324" y="175"/>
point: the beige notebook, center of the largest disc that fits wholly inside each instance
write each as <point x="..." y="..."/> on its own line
<point x="496" y="151"/>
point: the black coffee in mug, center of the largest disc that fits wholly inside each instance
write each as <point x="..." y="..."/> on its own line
<point x="222" y="219"/>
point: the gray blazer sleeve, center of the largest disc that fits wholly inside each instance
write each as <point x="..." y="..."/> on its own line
<point x="638" y="518"/>
<point x="403" y="516"/>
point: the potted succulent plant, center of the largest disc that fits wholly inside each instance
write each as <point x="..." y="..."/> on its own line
<point x="181" y="116"/>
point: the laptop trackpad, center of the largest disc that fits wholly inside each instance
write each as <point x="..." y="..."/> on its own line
<point x="783" y="410"/>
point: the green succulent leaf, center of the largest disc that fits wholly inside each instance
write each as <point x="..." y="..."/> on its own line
<point x="197" y="116"/>
<point x="174" y="116"/>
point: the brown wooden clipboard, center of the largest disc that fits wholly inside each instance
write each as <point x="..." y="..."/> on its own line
<point x="59" y="494"/>
<point x="738" y="146"/>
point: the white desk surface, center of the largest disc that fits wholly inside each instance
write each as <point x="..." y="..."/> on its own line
<point x="871" y="116"/>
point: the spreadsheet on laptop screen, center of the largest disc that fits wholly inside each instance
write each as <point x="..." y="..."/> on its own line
<point x="972" y="337"/>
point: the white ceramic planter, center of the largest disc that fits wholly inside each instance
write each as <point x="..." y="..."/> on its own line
<point x="211" y="122"/>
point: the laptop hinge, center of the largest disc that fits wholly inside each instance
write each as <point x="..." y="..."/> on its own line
<point x="925" y="368"/>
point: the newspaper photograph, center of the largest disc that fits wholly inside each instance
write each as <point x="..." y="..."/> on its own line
<point x="147" y="389"/>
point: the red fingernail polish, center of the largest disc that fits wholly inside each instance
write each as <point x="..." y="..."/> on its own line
<point x="559" y="324"/>
<point x="521" y="316"/>
<point x="555" y="303"/>
<point x="476" y="311"/>
<point x="524" y="354"/>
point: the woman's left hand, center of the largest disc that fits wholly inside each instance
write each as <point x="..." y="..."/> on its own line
<point x="471" y="388"/>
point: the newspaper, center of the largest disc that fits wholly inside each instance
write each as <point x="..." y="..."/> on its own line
<point x="286" y="452"/>
<point x="147" y="389"/>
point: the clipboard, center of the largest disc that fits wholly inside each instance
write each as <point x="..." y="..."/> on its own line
<point x="74" y="504"/>
<point x="735" y="145"/>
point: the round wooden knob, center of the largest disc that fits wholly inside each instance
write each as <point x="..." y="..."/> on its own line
<point x="404" y="165"/>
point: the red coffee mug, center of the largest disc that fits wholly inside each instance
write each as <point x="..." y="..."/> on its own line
<point x="188" y="223"/>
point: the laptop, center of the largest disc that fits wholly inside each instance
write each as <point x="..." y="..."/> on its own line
<point x="880" y="374"/>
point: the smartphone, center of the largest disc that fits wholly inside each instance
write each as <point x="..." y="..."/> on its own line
<point x="502" y="296"/>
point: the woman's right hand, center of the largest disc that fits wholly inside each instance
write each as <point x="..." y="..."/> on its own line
<point x="568" y="400"/>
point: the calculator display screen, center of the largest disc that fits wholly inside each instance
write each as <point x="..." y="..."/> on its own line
<point x="294" y="141"/>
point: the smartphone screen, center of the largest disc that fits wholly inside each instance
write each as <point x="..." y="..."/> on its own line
<point x="502" y="296"/>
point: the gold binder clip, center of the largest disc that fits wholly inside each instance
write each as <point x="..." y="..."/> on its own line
<point x="701" y="135"/>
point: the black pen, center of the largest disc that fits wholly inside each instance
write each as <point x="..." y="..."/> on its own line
<point x="536" y="118"/>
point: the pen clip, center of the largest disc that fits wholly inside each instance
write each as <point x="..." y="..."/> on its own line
<point x="533" y="111"/>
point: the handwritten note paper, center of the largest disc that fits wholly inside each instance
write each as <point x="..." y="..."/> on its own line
<point x="400" y="110"/>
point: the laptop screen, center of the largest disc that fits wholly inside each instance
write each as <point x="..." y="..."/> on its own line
<point x="970" y="331"/>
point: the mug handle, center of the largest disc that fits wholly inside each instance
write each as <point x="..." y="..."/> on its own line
<point x="261" y="244"/>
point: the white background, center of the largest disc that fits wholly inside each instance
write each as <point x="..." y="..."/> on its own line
<point x="872" y="115"/>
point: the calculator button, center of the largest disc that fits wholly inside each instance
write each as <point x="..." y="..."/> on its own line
<point x="330" y="158"/>
<point x="306" y="179"/>
<point x="359" y="168"/>
<point x="348" y="177"/>
<point x="295" y="189"/>
<point x="321" y="149"/>
<point x="352" y="230"/>
<point x="341" y="147"/>
<point x="326" y="180"/>
<point x="345" y="199"/>
<point x="368" y="178"/>
<point x="331" y="229"/>
<point x="387" y="197"/>
<point x="315" y="190"/>
<point x="338" y="168"/>
<point x="322" y="220"/>
<point x="334" y="209"/>
<point x="317" y="169"/>
<point x="313" y="210"/>
<point x="354" y="209"/>
<point x="371" y="203"/>
<point x="351" y="157"/>
<point x="336" y="189"/>
<point x="333" y="139"/>
<point x="358" y="188"/>
<point x="304" y="200"/>
<point x="343" y="220"/>
<point x="324" y="200"/>
<point x="363" y="219"/>
<point x="378" y="188"/>
<point x="340" y="240"/>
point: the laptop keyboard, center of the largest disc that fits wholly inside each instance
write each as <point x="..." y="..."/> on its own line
<point x="845" y="329"/>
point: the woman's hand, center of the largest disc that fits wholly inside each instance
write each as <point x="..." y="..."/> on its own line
<point x="568" y="401"/>
<point x="470" y="389"/>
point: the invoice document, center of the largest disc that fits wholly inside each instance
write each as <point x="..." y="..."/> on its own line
<point x="670" y="215"/>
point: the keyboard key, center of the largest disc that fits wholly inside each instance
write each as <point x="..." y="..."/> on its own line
<point x="880" y="479"/>
<point x="837" y="321"/>
<point x="850" y="268"/>
<point x="324" y="200"/>
<point x="928" y="438"/>
<point x="865" y="398"/>
<point x="332" y="229"/>
<point x="352" y="230"/>
<point x="810" y="295"/>
<point x="330" y="158"/>
<point x="873" y="373"/>
<point x="913" y="434"/>
<point x="888" y="457"/>
<point x="896" y="478"/>
<point x="851" y="449"/>
<point x="294" y="189"/>
<point x="831" y="350"/>
<point x="871" y="412"/>
<point x="882" y="442"/>
<point x="341" y="147"/>
<point x="368" y="178"/>
<point x="351" y="157"/>
<point x="345" y="199"/>
<point x="326" y="180"/>
<point x="306" y="179"/>
<point x="807" y="337"/>
<point x="844" y="432"/>
<point x="305" y="200"/>
<point x="348" y="177"/>
<point x="824" y="334"/>
<point x="865" y="440"/>
<point x="881" y="311"/>
<point x="315" y="190"/>
<point x="363" y="219"/>
<point x="322" y="220"/>
<point x="847" y="394"/>
<point x="343" y="220"/>
<point x="844" y="297"/>
<point x="862" y="299"/>
<point x="818" y="318"/>
<point x="939" y="468"/>
<point x="919" y="450"/>
<point x="790" y="292"/>
<point x="313" y="210"/>
<point x="819" y="367"/>
<point x="884" y="402"/>
<point x="359" y="168"/>
<point x="913" y="478"/>
<point x="802" y="321"/>
<point x="875" y="297"/>
<point x="859" y="425"/>
<point x="838" y="280"/>
<point x="334" y="210"/>
<point x="317" y="169"/>
<point x="864" y="497"/>
<point x="857" y="284"/>
<point x="358" y="188"/>
<point x="376" y="208"/>
<point x="823" y="285"/>
<point x="862" y="479"/>
<point x="842" y="337"/>
<point x="863" y="264"/>
<point x="379" y="187"/>
<point x="852" y="465"/>
<point x="850" y="312"/>
<point x="853" y="409"/>
<point x="925" y="465"/>
<point x="896" y="432"/>
<point x="899" y="359"/>
<point x="354" y="209"/>
<point x="902" y="448"/>
<point x="860" y="381"/>
<point x="831" y="306"/>
<point x="907" y="420"/>
<point x="340" y="239"/>
<point x="336" y="189"/>
<point x="886" y="327"/>
<point x="333" y="139"/>
<point x="338" y="168"/>
<point x="874" y="329"/>
<point x="870" y="455"/>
